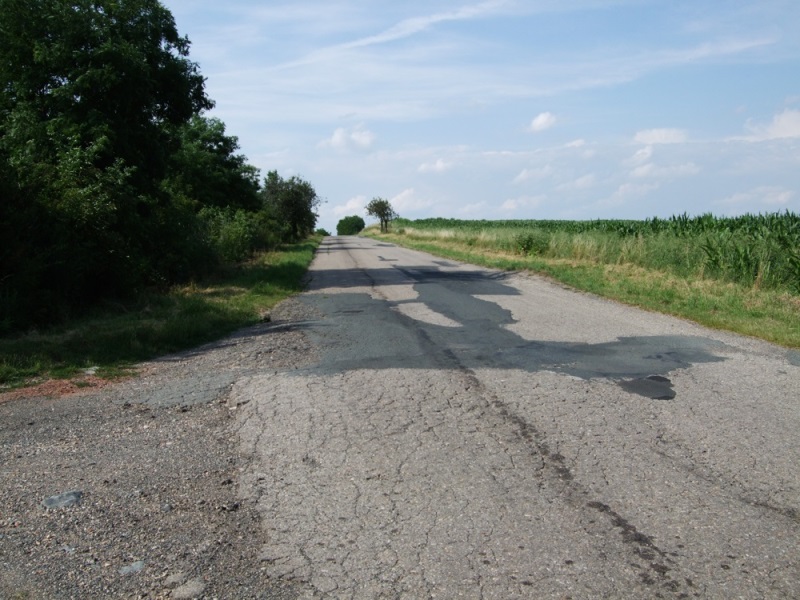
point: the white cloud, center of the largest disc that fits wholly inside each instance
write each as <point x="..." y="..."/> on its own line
<point x="528" y="174"/>
<point x="354" y="206"/>
<point x="661" y="136"/>
<point x="542" y="121"/>
<point x="438" y="166"/>
<point x="623" y="194"/>
<point x="770" y="197"/>
<point x="581" y="183"/>
<point x="427" y="76"/>
<point x="640" y="156"/>
<point x="784" y="125"/>
<point x="646" y="170"/>
<point x="475" y="208"/>
<point x="415" y="25"/>
<point x="627" y="190"/>
<point x="651" y="170"/>
<point x="357" y="138"/>
<point x="408" y="201"/>
<point x="515" y="204"/>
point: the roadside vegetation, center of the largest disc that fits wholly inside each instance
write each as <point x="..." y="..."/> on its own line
<point x="114" y="181"/>
<point x="115" y="336"/>
<point x="740" y="274"/>
<point x="130" y="224"/>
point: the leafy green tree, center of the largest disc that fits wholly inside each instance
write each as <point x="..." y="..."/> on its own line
<point x="92" y="93"/>
<point x="350" y="225"/>
<point x="105" y="74"/>
<point x="381" y="209"/>
<point x="293" y="202"/>
<point x="207" y="171"/>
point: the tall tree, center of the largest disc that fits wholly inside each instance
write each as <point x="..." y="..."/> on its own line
<point x="293" y="202"/>
<point x="107" y="74"/>
<point x="381" y="209"/>
<point x="91" y="93"/>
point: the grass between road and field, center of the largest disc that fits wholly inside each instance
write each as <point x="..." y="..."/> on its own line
<point x="158" y="324"/>
<point x="766" y="314"/>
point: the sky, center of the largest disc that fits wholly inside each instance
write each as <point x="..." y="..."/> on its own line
<point x="512" y="109"/>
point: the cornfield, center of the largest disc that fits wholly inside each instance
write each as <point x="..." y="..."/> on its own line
<point x="753" y="250"/>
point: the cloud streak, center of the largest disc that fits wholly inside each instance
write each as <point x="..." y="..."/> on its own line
<point x="453" y="107"/>
<point x="661" y="136"/>
<point x="415" y="25"/>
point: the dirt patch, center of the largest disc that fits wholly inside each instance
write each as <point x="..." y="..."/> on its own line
<point x="159" y="512"/>
<point x="57" y="388"/>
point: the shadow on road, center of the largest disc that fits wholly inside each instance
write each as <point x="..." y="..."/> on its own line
<point x="360" y="332"/>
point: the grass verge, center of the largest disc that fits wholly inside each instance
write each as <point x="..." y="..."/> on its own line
<point x="768" y="315"/>
<point x="155" y="325"/>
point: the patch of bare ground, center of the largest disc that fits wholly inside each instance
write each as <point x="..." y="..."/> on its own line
<point x="57" y="388"/>
<point x="157" y="511"/>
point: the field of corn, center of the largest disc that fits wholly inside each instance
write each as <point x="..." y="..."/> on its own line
<point x="758" y="251"/>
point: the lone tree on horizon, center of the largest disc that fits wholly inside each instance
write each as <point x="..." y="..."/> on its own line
<point x="381" y="209"/>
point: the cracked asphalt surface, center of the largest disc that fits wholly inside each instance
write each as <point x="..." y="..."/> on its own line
<point x="470" y="434"/>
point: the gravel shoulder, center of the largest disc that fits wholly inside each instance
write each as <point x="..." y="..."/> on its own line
<point x="156" y="461"/>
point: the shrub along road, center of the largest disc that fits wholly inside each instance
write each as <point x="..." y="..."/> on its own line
<point x="468" y="433"/>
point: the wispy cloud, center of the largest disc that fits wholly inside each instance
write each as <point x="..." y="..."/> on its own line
<point x="764" y="197"/>
<point x="784" y="125"/>
<point x="542" y="121"/>
<point x="650" y="170"/>
<point x="581" y="183"/>
<point x="405" y="28"/>
<point x="631" y="190"/>
<point x="454" y="104"/>
<point x="415" y="25"/>
<point x="523" y="202"/>
<point x="661" y="136"/>
<point x="354" y="206"/>
<point x="408" y="201"/>
<point x="420" y="77"/>
<point x="357" y="138"/>
<point x="538" y="173"/>
<point x="438" y="166"/>
<point x="642" y="155"/>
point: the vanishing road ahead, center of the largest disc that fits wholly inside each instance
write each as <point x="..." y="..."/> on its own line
<point x="466" y="433"/>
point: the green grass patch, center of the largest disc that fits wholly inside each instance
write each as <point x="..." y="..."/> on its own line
<point x="159" y="324"/>
<point x="772" y="315"/>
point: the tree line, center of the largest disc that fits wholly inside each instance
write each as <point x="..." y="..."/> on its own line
<point x="113" y="179"/>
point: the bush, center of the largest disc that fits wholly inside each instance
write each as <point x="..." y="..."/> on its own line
<point x="232" y="234"/>
<point x="534" y="242"/>
<point x="350" y="226"/>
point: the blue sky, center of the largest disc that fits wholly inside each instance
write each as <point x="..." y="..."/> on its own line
<point x="530" y="109"/>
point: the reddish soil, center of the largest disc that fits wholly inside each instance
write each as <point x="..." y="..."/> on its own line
<point x="56" y="388"/>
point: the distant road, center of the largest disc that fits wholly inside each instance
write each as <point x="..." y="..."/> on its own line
<point x="473" y="434"/>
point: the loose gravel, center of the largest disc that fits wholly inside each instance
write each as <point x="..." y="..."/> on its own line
<point x="132" y="490"/>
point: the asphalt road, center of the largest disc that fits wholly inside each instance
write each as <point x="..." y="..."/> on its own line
<point x="472" y="434"/>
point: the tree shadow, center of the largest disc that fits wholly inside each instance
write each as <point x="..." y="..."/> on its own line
<point x="362" y="332"/>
